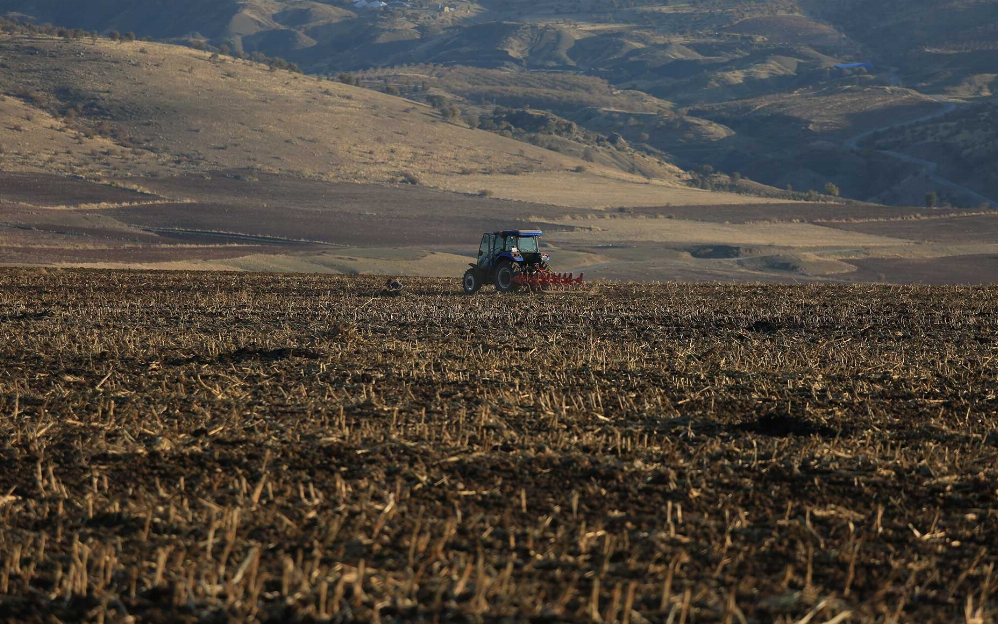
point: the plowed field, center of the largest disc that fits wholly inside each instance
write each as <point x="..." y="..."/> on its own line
<point x="233" y="447"/>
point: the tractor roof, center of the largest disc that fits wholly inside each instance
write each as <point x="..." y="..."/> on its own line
<point x="528" y="233"/>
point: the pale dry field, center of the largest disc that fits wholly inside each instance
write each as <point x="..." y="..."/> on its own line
<point x="382" y="262"/>
<point x="625" y="229"/>
<point x="225" y="222"/>
<point x="577" y="190"/>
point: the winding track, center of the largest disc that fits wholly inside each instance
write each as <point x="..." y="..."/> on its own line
<point x="930" y="168"/>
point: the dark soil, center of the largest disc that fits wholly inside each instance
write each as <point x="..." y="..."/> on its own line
<point x="189" y="446"/>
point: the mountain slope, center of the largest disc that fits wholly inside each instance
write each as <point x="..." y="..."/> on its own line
<point x="159" y="18"/>
<point x="680" y="82"/>
<point x="936" y="44"/>
<point x="158" y="109"/>
<point x="963" y="145"/>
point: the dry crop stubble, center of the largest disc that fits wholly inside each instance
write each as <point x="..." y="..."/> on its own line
<point x="206" y="446"/>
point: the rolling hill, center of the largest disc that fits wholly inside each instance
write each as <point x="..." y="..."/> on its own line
<point x="931" y="41"/>
<point x="101" y="108"/>
<point x="669" y="58"/>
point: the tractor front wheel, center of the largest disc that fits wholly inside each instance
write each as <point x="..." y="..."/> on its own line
<point x="505" y="273"/>
<point x="471" y="282"/>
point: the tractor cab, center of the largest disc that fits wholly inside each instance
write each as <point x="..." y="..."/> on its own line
<point x="513" y="245"/>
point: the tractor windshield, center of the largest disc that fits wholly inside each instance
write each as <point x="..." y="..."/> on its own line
<point x="527" y="244"/>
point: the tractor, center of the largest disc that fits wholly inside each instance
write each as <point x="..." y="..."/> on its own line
<point x="512" y="259"/>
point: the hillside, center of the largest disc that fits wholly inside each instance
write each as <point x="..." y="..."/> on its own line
<point x="656" y="74"/>
<point x="147" y="109"/>
<point x="938" y="45"/>
<point x="963" y="144"/>
<point x="140" y="154"/>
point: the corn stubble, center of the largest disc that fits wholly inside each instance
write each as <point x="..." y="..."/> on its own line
<point x="189" y="446"/>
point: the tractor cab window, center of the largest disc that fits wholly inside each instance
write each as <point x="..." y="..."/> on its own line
<point x="527" y="244"/>
<point x="509" y="243"/>
<point x="485" y="249"/>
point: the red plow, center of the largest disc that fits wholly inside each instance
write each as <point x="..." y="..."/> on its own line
<point x="544" y="280"/>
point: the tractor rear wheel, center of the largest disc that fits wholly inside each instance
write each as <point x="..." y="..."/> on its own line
<point x="471" y="282"/>
<point x="505" y="273"/>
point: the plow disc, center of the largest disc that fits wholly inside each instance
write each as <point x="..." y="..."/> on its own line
<point x="543" y="280"/>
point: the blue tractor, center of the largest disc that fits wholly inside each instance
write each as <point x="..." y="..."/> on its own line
<point x="512" y="259"/>
<point x="505" y="258"/>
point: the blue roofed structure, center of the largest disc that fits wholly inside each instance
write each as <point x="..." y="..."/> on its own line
<point x="854" y="65"/>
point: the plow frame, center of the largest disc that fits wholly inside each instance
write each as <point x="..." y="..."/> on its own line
<point x="544" y="280"/>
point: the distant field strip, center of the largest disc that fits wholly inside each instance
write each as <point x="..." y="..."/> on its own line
<point x="582" y="191"/>
<point x="619" y="230"/>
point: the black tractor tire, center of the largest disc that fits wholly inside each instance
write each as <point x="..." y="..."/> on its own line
<point x="471" y="282"/>
<point x="505" y="272"/>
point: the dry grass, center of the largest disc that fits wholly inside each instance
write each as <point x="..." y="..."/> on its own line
<point x="628" y="229"/>
<point x="196" y="446"/>
<point x="836" y="113"/>
<point x="604" y="189"/>
<point x="181" y="111"/>
<point x="357" y="261"/>
<point x="33" y="140"/>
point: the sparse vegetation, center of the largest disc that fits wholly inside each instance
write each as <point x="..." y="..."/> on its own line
<point x="615" y="61"/>
<point x="636" y="72"/>
<point x="237" y="99"/>
<point x="964" y="143"/>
